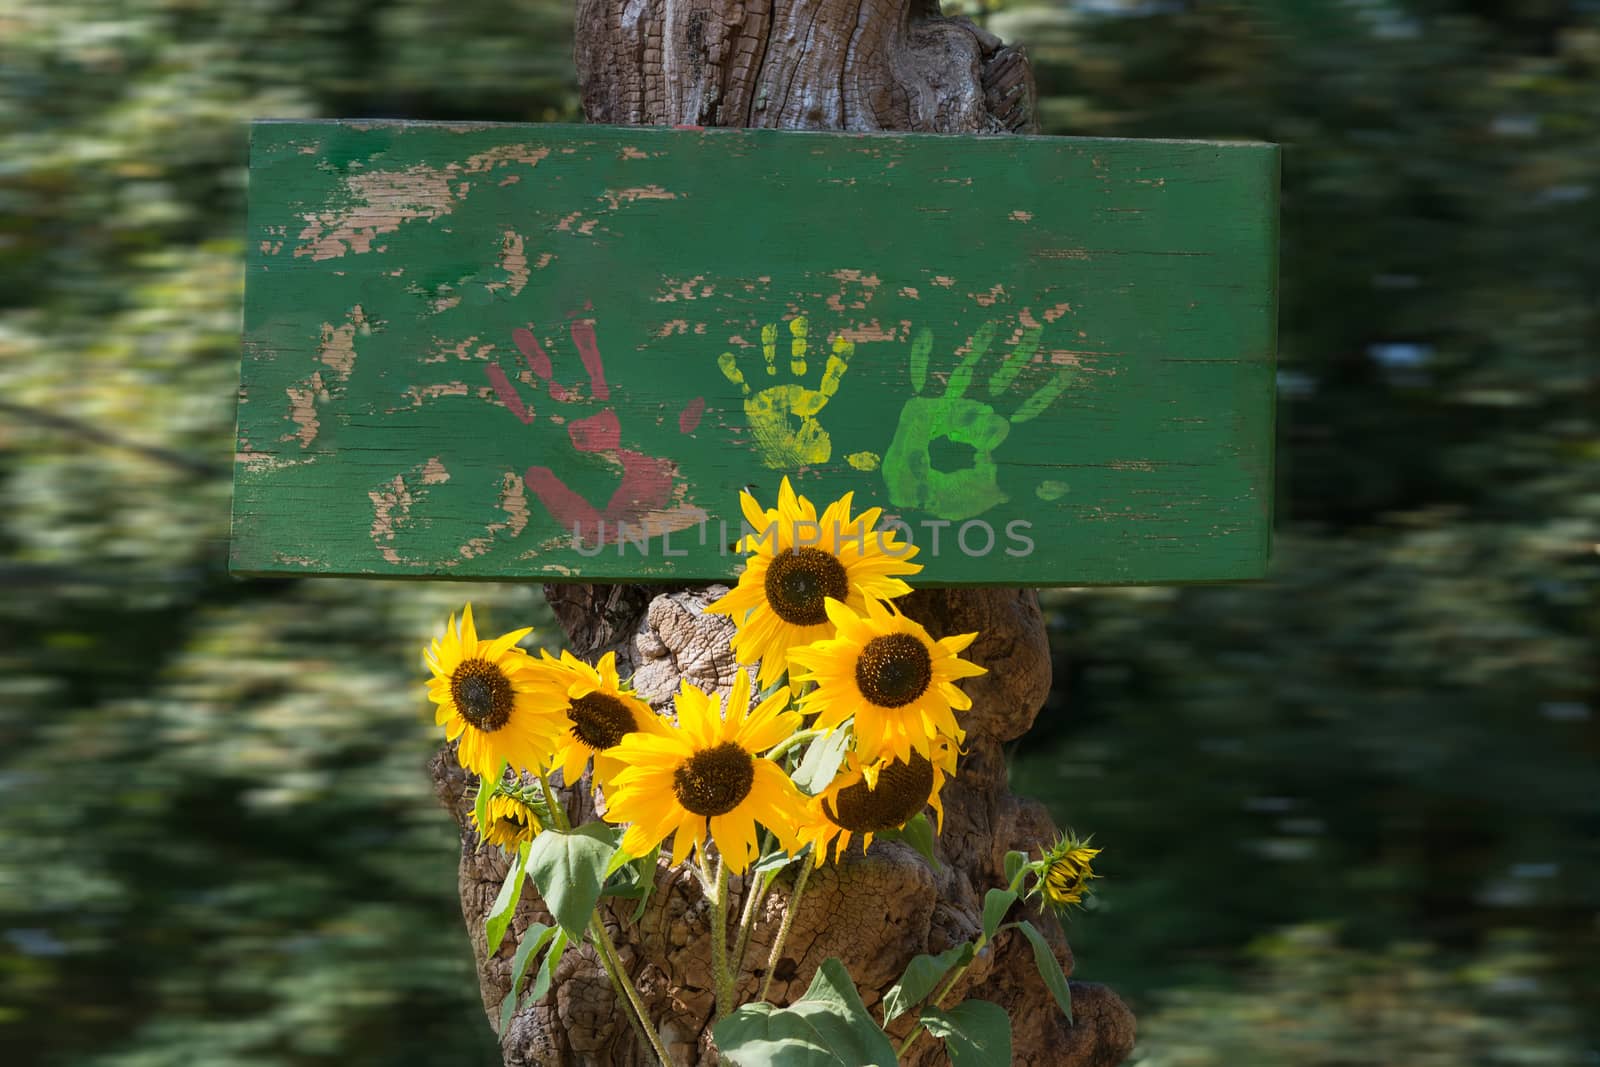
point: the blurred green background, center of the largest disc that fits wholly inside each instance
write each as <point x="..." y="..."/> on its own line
<point x="1351" y="816"/>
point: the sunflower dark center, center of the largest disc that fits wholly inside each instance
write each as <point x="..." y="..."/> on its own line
<point x="600" y="720"/>
<point x="893" y="670"/>
<point x="715" y="780"/>
<point x="511" y="825"/>
<point x="902" y="791"/>
<point x="482" y="694"/>
<point x="798" y="582"/>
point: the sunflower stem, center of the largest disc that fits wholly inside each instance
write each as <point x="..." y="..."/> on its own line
<point x="798" y="738"/>
<point x="905" y="1046"/>
<point x="609" y="959"/>
<point x="612" y="962"/>
<point x="788" y="920"/>
<point x="607" y="951"/>
<point x="755" y="892"/>
<point x="719" y="941"/>
<point x="558" y="808"/>
<point x="938" y="1001"/>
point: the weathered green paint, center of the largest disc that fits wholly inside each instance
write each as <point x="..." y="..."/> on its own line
<point x="462" y="340"/>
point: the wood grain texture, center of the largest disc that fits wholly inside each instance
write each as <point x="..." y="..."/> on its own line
<point x="557" y="353"/>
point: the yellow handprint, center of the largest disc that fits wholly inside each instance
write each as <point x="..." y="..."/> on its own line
<point x="783" y="418"/>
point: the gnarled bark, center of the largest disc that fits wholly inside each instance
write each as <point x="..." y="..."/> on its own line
<point x="812" y="64"/>
<point x="798" y="65"/>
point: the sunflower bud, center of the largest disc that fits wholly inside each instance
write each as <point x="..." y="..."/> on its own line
<point x="1063" y="873"/>
<point x="512" y="819"/>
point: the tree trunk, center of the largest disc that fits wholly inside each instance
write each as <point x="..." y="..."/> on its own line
<point x="814" y="64"/>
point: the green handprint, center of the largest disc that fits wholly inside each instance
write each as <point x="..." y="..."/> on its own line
<point x="908" y="470"/>
<point x="784" y="443"/>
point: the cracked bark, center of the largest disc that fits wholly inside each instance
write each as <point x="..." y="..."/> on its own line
<point x="817" y="64"/>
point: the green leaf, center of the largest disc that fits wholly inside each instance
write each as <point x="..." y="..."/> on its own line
<point x="821" y="761"/>
<point x="759" y="1034"/>
<point x="1015" y="861"/>
<point x="505" y="905"/>
<point x="918" y="833"/>
<point x="828" y="1027"/>
<point x="487" y="787"/>
<point x="569" y="868"/>
<point x="775" y="861"/>
<point x="647" y="878"/>
<point x="1049" y="967"/>
<point x="977" y="1033"/>
<point x="631" y="877"/>
<point x="534" y="938"/>
<point x="622" y="879"/>
<point x="996" y="903"/>
<point x="619" y="859"/>
<point x="922" y="974"/>
<point x="547" y="966"/>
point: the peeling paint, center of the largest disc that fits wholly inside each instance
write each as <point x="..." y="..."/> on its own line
<point x="381" y="202"/>
<point x="338" y="347"/>
<point x="390" y="505"/>
<point x="303" y="410"/>
<point x="684" y="289"/>
<point x="514" y="502"/>
<point x="267" y="462"/>
<point x="866" y="287"/>
<point x="433" y="472"/>
<point x="529" y="154"/>
<point x="995" y="294"/>
<point x="566" y="225"/>
<point x="615" y="198"/>
<point x="514" y="261"/>
<point x="875" y="331"/>
<point x="421" y="394"/>
<point x="444" y="348"/>
<point x="1067" y="357"/>
<point x="1051" y="314"/>
<point x="384" y="201"/>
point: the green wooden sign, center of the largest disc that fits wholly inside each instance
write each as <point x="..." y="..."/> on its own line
<point x="558" y="352"/>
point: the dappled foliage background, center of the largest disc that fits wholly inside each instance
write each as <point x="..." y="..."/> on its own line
<point x="1351" y="815"/>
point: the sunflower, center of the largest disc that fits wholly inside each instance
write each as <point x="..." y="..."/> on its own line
<point x="599" y="713"/>
<point x="1065" y="872"/>
<point x="512" y="820"/>
<point x="898" y="682"/>
<point x="488" y="694"/>
<point x="704" y="776"/>
<point x="779" y="601"/>
<point x="900" y="789"/>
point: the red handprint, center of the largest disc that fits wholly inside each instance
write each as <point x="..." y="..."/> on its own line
<point x="647" y="481"/>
